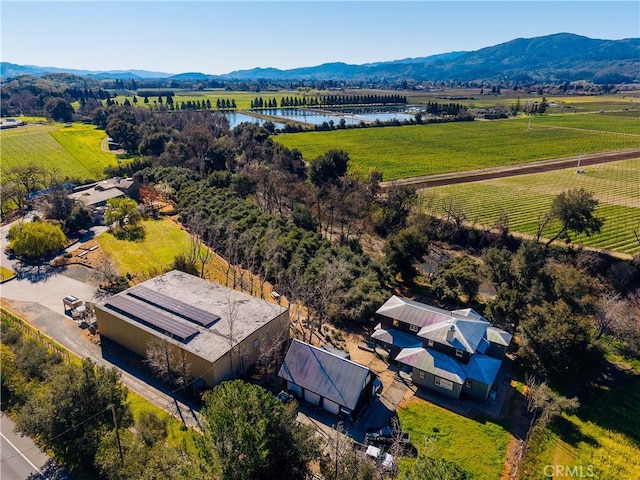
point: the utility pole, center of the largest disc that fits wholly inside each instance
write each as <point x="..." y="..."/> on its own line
<point x="115" y="422"/>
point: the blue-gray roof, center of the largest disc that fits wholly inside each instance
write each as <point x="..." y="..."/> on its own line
<point x="461" y="333"/>
<point x="437" y="363"/>
<point x="412" y="312"/>
<point x="480" y="368"/>
<point x="395" y="337"/>
<point x="483" y="368"/>
<point x="324" y="373"/>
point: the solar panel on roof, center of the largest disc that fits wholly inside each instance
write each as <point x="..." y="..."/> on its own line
<point x="172" y="305"/>
<point x="151" y="317"/>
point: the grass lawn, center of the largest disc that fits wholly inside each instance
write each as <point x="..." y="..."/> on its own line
<point x="154" y="254"/>
<point x="477" y="445"/>
<point x="6" y="274"/>
<point x="176" y="434"/>
<point x="604" y="434"/>
<point x="163" y="240"/>
<point x="73" y="152"/>
<point x="414" y="150"/>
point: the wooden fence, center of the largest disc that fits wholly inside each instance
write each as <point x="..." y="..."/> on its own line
<point x="27" y="330"/>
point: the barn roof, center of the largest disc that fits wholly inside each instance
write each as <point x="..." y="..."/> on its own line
<point x="325" y="373"/>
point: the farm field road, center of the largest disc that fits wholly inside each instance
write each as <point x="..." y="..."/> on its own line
<point x="513" y="170"/>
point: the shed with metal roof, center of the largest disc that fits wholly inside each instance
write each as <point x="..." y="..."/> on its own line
<point x="330" y="381"/>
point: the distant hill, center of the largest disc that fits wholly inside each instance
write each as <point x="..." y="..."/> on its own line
<point x="10" y="70"/>
<point x="559" y="57"/>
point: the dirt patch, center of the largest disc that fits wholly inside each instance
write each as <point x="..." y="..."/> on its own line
<point x="520" y="421"/>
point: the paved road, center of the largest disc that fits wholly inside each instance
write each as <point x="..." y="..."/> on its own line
<point x="36" y="295"/>
<point x="66" y="331"/>
<point x="21" y="459"/>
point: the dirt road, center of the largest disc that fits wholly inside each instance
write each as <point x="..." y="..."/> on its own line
<point x="513" y="170"/>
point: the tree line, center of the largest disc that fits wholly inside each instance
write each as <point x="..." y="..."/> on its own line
<point x="82" y="415"/>
<point x="329" y="101"/>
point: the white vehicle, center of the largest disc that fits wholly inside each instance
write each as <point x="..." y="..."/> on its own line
<point x="381" y="457"/>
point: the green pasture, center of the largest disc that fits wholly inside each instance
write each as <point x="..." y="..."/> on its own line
<point x="414" y="150"/>
<point x="613" y="122"/>
<point x="604" y="433"/>
<point x="243" y="99"/>
<point x="476" y="444"/>
<point x="525" y="198"/>
<point x="74" y="151"/>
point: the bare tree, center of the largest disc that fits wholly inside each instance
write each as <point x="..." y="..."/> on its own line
<point x="168" y="363"/>
<point x="610" y="309"/>
<point x="158" y="358"/>
<point x="346" y="460"/>
<point x="545" y="404"/>
<point x="105" y="269"/>
<point x="270" y="350"/>
<point x="234" y="349"/>
<point x="30" y="177"/>
<point x="325" y="298"/>
<point x="454" y="218"/>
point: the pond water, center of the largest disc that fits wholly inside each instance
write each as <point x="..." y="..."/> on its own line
<point x="236" y="119"/>
<point x="351" y="117"/>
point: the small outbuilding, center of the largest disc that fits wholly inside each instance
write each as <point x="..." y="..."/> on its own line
<point x="327" y="380"/>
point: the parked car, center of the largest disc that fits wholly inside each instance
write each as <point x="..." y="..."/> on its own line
<point x="385" y="436"/>
<point x="381" y="457"/>
<point x="284" y="397"/>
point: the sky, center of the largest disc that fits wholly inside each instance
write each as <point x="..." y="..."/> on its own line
<point x="217" y="37"/>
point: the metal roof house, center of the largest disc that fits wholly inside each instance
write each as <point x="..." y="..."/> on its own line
<point x="95" y="195"/>
<point x="452" y="352"/>
<point x="330" y="381"/>
<point x="219" y="332"/>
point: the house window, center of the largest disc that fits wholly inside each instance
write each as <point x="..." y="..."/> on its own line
<point x="256" y="342"/>
<point x="422" y="374"/>
<point x="430" y="343"/>
<point x="413" y="328"/>
<point x="445" y="384"/>
<point x="458" y="353"/>
<point x="395" y="322"/>
<point x="468" y="384"/>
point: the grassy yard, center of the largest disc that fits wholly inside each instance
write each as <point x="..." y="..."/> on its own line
<point x="6" y="274"/>
<point x="163" y="240"/>
<point x="477" y="445"/>
<point x="74" y="152"/>
<point x="408" y="151"/>
<point x="603" y="434"/>
<point x="523" y="199"/>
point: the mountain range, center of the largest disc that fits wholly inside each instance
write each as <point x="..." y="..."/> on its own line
<point x="558" y="57"/>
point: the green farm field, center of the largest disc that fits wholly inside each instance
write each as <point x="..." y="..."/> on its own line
<point x="525" y="198"/>
<point x="243" y="99"/>
<point x="472" y="98"/>
<point x="73" y="152"/>
<point x="415" y="150"/>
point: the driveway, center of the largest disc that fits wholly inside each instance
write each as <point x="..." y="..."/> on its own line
<point x="36" y="296"/>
